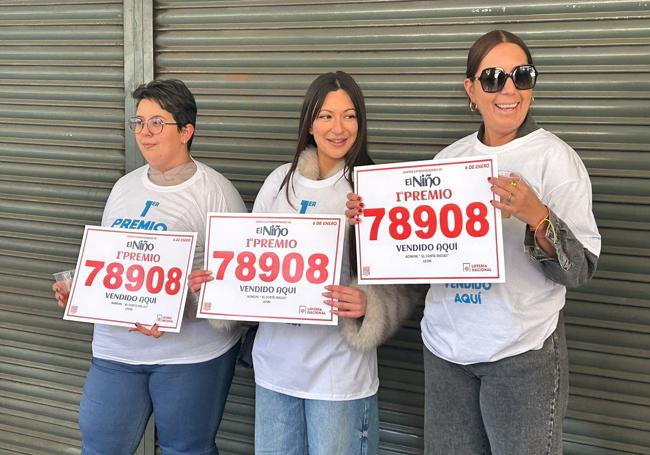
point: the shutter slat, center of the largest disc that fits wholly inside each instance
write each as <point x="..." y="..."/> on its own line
<point x="61" y="149"/>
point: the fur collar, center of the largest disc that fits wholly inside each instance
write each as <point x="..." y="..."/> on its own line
<point x="308" y="165"/>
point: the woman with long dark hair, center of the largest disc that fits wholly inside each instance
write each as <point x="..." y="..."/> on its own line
<point x="317" y="385"/>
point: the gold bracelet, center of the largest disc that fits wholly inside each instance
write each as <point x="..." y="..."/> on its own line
<point x="536" y="228"/>
<point x="550" y="226"/>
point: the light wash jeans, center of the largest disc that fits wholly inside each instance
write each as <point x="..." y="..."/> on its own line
<point x="187" y="401"/>
<point x="514" y="406"/>
<point x="286" y="425"/>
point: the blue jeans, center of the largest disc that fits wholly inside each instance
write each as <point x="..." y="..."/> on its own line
<point x="187" y="401"/>
<point x="286" y="425"/>
<point x="512" y="406"/>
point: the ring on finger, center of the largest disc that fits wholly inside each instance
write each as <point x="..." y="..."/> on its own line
<point x="509" y="200"/>
<point x="513" y="183"/>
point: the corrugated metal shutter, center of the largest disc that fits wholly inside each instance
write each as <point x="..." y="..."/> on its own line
<point x="249" y="63"/>
<point x="61" y="148"/>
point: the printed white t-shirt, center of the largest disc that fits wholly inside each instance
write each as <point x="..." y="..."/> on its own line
<point x="481" y="322"/>
<point x="302" y="360"/>
<point x="137" y="203"/>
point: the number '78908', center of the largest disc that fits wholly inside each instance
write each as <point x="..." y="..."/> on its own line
<point x="449" y="220"/>
<point x="291" y="267"/>
<point x="135" y="276"/>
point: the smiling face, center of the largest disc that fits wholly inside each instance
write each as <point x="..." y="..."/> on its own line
<point x="334" y="129"/>
<point x="168" y="149"/>
<point x="503" y="112"/>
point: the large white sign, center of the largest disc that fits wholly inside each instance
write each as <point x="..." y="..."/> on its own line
<point x="124" y="276"/>
<point x="429" y="222"/>
<point x="271" y="267"/>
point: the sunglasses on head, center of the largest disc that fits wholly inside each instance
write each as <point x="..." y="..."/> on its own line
<point x="494" y="79"/>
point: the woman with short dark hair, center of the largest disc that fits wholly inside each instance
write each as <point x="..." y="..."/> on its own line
<point x="182" y="378"/>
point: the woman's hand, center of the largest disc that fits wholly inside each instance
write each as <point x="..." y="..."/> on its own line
<point x="195" y="281"/>
<point x="61" y="291"/>
<point x="152" y="332"/>
<point x="198" y="277"/>
<point x="517" y="199"/>
<point x="354" y="207"/>
<point x="346" y="301"/>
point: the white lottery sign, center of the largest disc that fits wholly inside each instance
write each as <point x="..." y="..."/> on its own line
<point x="271" y="267"/>
<point x="124" y="276"/>
<point x="428" y="222"/>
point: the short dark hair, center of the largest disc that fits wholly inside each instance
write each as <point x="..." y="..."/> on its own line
<point x="486" y="43"/>
<point x="174" y="97"/>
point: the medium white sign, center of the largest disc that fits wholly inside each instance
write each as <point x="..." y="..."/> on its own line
<point x="271" y="267"/>
<point x="429" y="222"/>
<point x="124" y="276"/>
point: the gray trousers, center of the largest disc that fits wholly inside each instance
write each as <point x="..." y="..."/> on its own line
<point x="514" y="406"/>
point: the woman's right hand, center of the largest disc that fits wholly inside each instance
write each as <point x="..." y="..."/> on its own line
<point x="354" y="207"/>
<point x="198" y="277"/>
<point x="61" y="291"/>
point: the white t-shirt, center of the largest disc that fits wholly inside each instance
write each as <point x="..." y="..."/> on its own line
<point x="310" y="361"/>
<point x="471" y="323"/>
<point x="136" y="203"/>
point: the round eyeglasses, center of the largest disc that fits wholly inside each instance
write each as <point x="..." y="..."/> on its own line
<point x="494" y="79"/>
<point x="155" y="125"/>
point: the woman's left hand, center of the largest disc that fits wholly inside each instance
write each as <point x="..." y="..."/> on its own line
<point x="152" y="332"/>
<point x="517" y="199"/>
<point x="346" y="301"/>
<point x="197" y="278"/>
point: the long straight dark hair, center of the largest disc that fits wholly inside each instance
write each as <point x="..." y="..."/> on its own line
<point x="358" y="153"/>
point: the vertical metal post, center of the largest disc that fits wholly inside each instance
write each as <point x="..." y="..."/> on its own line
<point x="138" y="66"/>
<point x="148" y="444"/>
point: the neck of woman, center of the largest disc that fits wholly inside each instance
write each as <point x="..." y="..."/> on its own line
<point x="310" y="166"/>
<point x="528" y="126"/>
<point x="174" y="176"/>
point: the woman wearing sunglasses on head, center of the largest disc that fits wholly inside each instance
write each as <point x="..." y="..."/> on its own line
<point x="182" y="378"/>
<point x="496" y="373"/>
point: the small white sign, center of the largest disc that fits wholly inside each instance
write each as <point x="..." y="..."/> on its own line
<point x="124" y="276"/>
<point x="271" y="267"/>
<point x="429" y="222"/>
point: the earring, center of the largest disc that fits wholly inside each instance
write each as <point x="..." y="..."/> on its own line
<point x="472" y="106"/>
